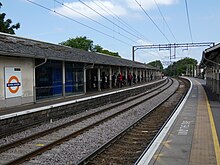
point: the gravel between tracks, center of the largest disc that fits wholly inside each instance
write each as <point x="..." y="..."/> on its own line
<point x="45" y="126"/>
<point x="75" y="149"/>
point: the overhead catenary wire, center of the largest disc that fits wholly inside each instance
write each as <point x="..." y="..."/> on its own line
<point x="188" y="20"/>
<point x="152" y="21"/>
<point x="166" y="24"/>
<point x="110" y="12"/>
<point x="82" y="24"/>
<point x="106" y="9"/>
<point x="66" y="6"/>
<point x="46" y="8"/>
<point x="93" y="20"/>
<point x="108" y="19"/>
<point x="165" y="21"/>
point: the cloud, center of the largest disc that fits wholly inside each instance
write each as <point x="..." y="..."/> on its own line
<point x="121" y="8"/>
<point x="148" y="4"/>
<point x="46" y="33"/>
<point x="143" y="42"/>
<point x="81" y="8"/>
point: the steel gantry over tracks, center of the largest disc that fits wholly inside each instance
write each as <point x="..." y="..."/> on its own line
<point x="171" y="46"/>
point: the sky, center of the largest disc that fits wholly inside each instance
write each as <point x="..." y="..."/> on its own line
<point x="117" y="25"/>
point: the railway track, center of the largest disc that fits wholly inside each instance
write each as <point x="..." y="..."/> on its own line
<point x="126" y="147"/>
<point x="26" y="148"/>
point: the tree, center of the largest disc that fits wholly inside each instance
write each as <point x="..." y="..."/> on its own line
<point x="5" y="25"/>
<point x="180" y="67"/>
<point x="79" y="42"/>
<point x="156" y="64"/>
<point x="87" y="44"/>
<point x="98" y="48"/>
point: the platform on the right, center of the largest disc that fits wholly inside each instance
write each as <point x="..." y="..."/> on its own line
<point x="192" y="135"/>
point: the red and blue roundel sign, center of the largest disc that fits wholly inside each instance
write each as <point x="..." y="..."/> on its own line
<point x="13" y="82"/>
<point x="13" y="85"/>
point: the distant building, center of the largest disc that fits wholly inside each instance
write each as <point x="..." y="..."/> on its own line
<point x="211" y="64"/>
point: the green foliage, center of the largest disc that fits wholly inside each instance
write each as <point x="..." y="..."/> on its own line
<point x="87" y="44"/>
<point x="180" y="67"/>
<point x="156" y="64"/>
<point x="5" y="25"/>
<point x="99" y="49"/>
<point x="79" y="42"/>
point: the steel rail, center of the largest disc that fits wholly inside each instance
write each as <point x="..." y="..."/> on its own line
<point x="102" y="148"/>
<point x="75" y="134"/>
<point x="48" y="131"/>
<point x="176" y="107"/>
<point x="8" y="133"/>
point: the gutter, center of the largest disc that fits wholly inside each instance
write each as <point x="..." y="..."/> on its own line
<point x="210" y="60"/>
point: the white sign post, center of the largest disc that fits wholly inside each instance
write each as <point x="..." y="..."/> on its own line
<point x="13" y="82"/>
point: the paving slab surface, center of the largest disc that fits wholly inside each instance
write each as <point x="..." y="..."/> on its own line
<point x="190" y="139"/>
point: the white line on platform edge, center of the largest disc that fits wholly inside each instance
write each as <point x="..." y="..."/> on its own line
<point x="69" y="102"/>
<point x="146" y="158"/>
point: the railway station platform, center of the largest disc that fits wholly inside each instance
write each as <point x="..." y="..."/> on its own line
<point x="53" y="102"/>
<point x="192" y="135"/>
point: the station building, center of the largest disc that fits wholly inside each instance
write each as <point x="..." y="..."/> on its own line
<point x="211" y="64"/>
<point x="32" y="71"/>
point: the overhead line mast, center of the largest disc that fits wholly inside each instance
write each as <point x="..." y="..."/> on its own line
<point x="170" y="47"/>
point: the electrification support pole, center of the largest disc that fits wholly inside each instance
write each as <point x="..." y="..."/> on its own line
<point x="170" y="47"/>
<point x="174" y="51"/>
<point x="132" y="67"/>
<point x="132" y="53"/>
<point x="170" y="54"/>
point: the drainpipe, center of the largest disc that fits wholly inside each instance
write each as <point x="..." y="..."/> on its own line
<point x="84" y="78"/>
<point x="34" y="83"/>
<point x="63" y="79"/>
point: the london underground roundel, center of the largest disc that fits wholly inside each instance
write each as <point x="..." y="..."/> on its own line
<point x="13" y="85"/>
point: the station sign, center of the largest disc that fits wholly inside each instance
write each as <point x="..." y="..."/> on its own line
<point x="13" y="82"/>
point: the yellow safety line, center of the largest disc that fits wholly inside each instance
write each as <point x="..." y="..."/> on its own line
<point x="214" y="134"/>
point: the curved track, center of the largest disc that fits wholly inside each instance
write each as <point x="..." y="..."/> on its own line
<point x="126" y="147"/>
<point x="31" y="146"/>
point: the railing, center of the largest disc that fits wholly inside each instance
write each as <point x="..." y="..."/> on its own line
<point x="57" y="90"/>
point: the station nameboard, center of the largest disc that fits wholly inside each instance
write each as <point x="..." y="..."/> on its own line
<point x="13" y="82"/>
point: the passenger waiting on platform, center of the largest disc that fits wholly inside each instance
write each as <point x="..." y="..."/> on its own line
<point x="119" y="80"/>
<point x="134" y="78"/>
<point x="129" y="79"/>
<point x="124" y="79"/>
<point x="103" y="80"/>
<point x="94" y="81"/>
<point x="114" y="80"/>
<point x="106" y="82"/>
<point x="151" y="77"/>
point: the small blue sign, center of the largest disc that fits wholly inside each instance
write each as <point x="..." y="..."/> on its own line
<point x="16" y="84"/>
